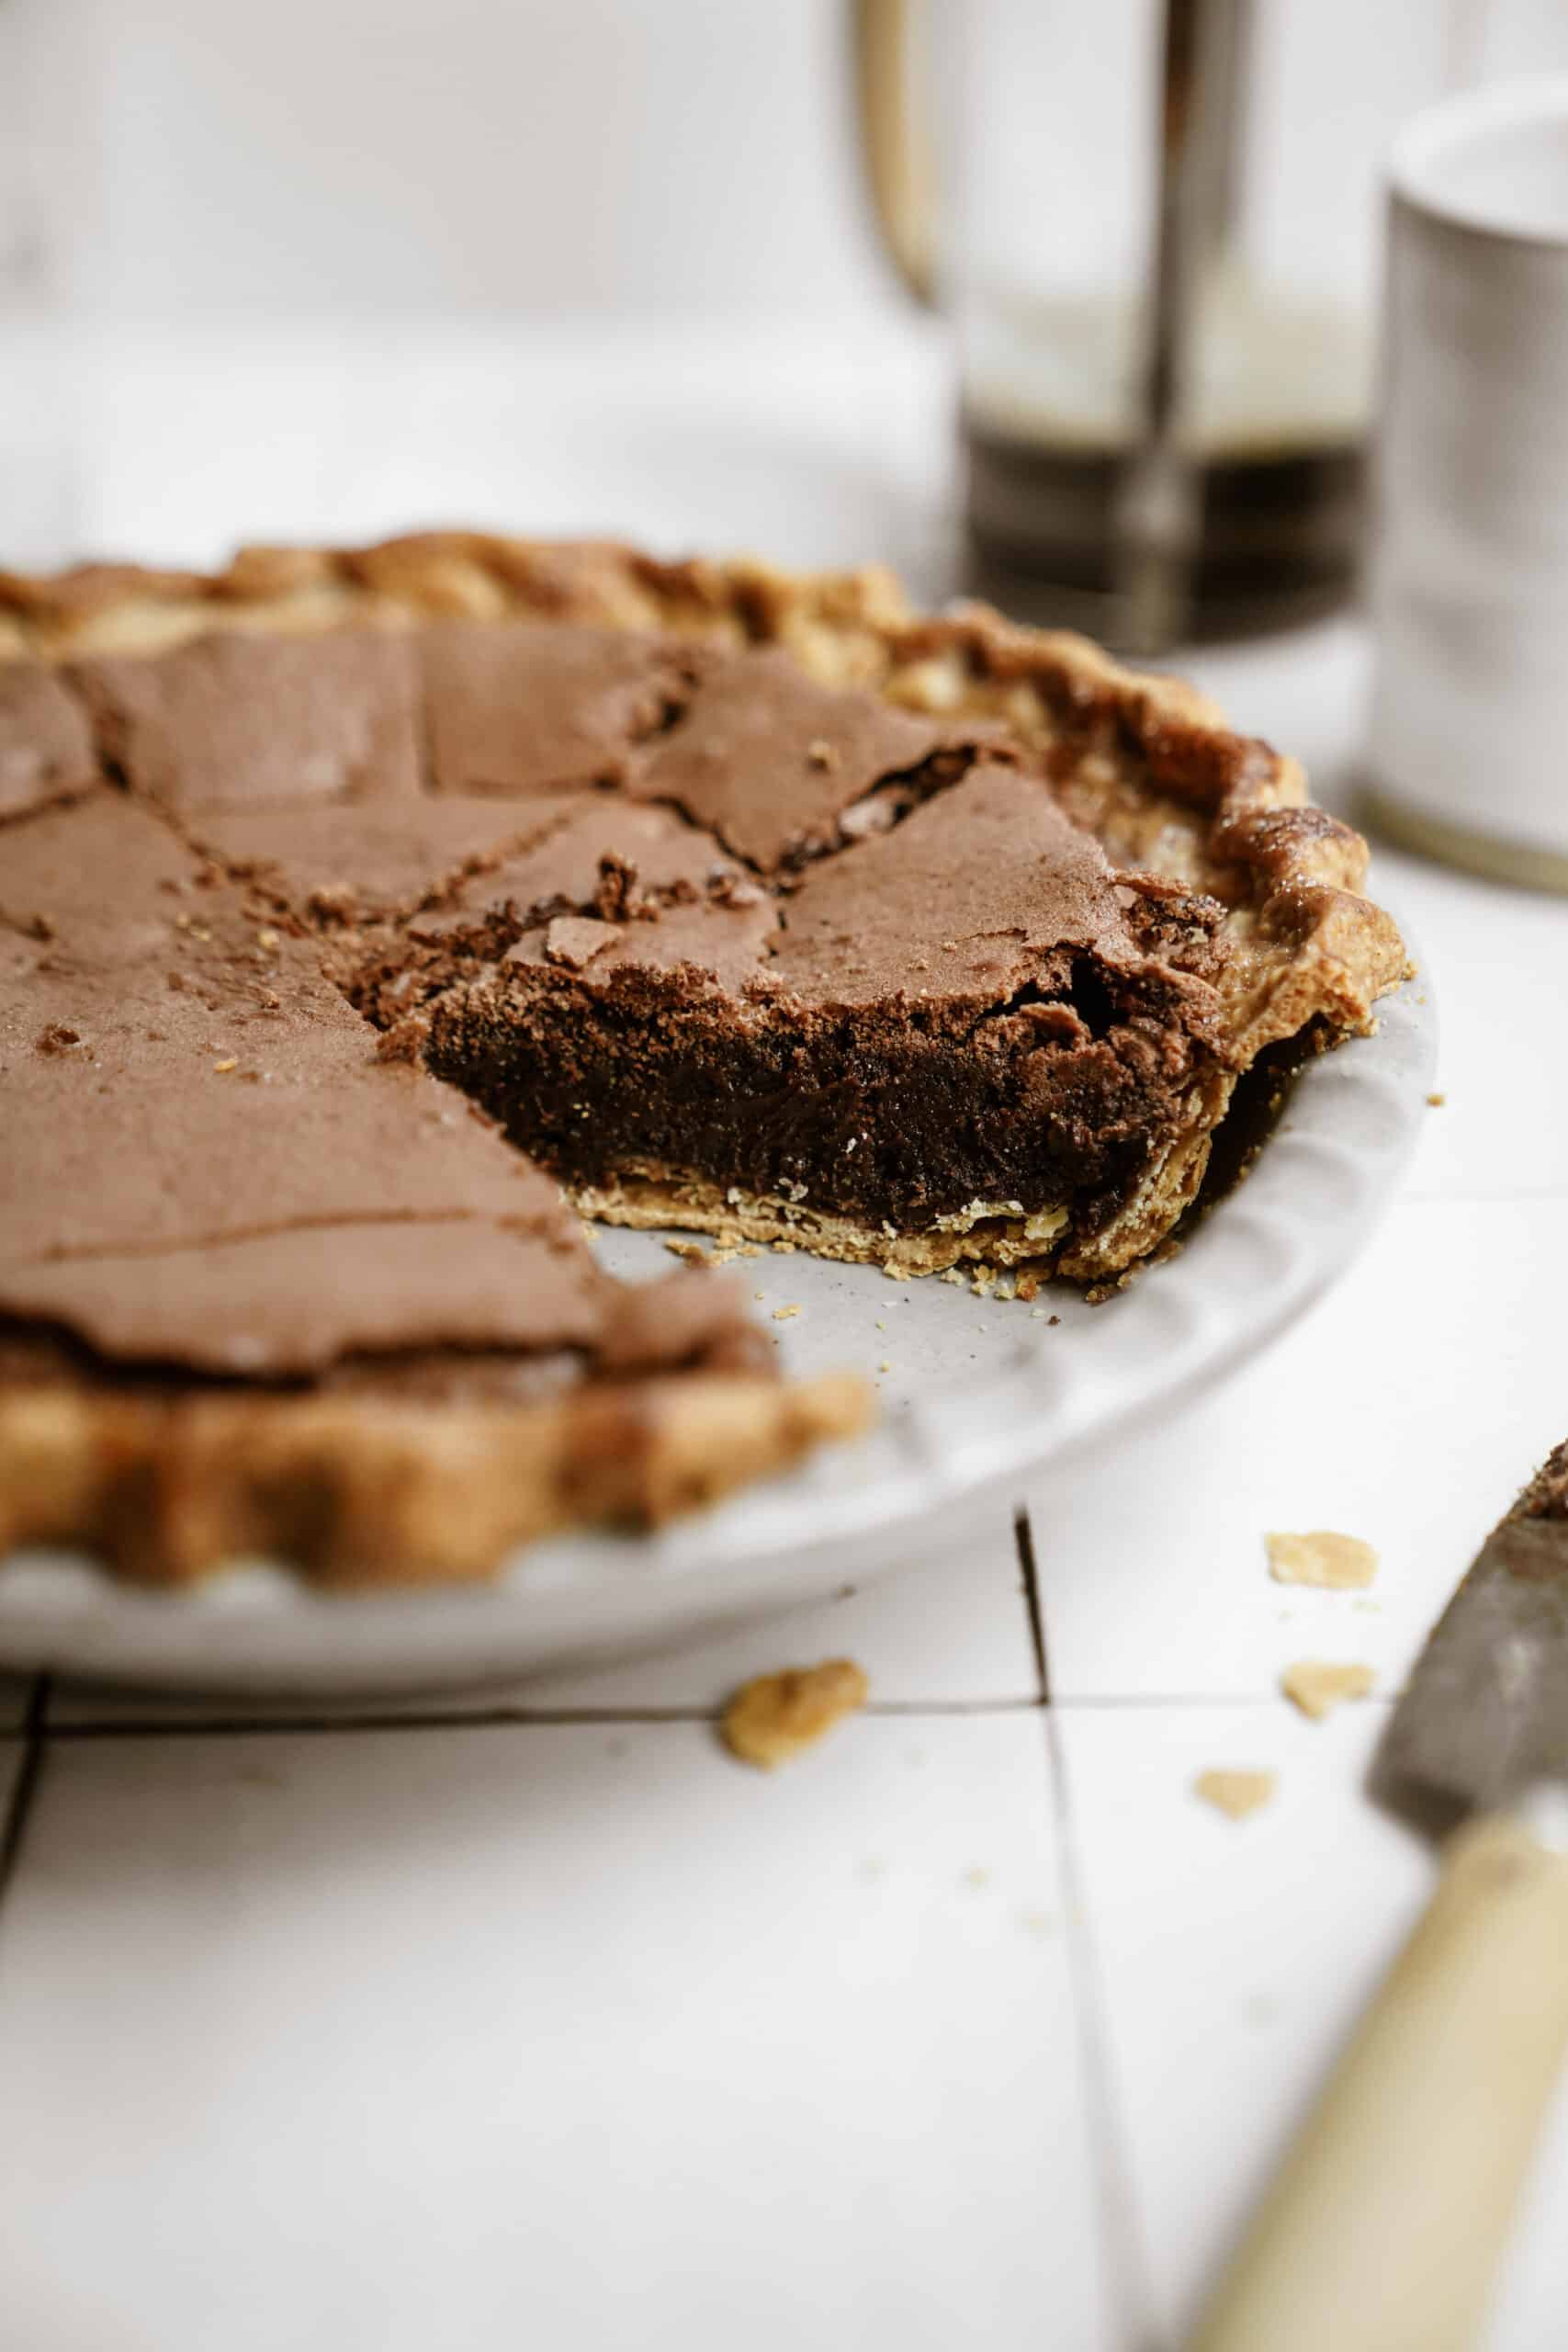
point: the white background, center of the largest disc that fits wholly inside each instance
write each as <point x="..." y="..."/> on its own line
<point x="202" y="158"/>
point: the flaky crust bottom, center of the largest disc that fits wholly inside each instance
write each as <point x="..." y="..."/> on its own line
<point x="662" y="1203"/>
<point x="996" y="1238"/>
<point x="364" y="1491"/>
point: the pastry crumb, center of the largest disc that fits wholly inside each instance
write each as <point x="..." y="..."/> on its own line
<point x="1338" y="1562"/>
<point x="691" y="1252"/>
<point x="1234" y="1794"/>
<point x="885" y="1366"/>
<point x="773" y="1717"/>
<point x="1317" y="1687"/>
<point x="230" y="1061"/>
<point x="782" y="1314"/>
<point x="1437" y="1101"/>
<point x="55" y="1038"/>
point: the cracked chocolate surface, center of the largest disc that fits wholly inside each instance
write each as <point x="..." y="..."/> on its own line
<point x="657" y="905"/>
<point x="208" y="1165"/>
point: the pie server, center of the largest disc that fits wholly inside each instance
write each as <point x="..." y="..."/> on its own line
<point x="1381" y="2231"/>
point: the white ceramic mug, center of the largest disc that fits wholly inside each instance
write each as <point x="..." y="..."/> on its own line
<point x="1468" y="748"/>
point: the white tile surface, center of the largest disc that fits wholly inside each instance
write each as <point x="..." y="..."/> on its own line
<point x="1408" y="1407"/>
<point x="1234" y="1955"/>
<point x="1495" y="960"/>
<point x="955" y="1633"/>
<point x="424" y="2038"/>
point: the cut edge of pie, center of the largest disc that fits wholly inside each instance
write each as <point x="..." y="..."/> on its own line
<point x="358" y="1487"/>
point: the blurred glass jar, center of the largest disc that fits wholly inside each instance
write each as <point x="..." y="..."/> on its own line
<point x="1155" y="226"/>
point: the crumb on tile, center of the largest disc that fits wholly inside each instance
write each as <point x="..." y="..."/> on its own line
<point x="1317" y="1687"/>
<point x="1338" y="1562"/>
<point x="691" y="1253"/>
<point x="885" y="1366"/>
<point x="1437" y="1101"/>
<point x="782" y="1314"/>
<point x="774" y="1716"/>
<point x="1234" y="1794"/>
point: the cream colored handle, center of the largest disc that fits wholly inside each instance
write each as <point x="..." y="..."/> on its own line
<point x="1382" y="2230"/>
<point x="895" y="150"/>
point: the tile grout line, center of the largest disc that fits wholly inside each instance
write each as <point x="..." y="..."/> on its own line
<point x="153" y="1727"/>
<point x="34" y="1741"/>
<point x="1023" y="1538"/>
<point x="1124" y="2258"/>
<point x="484" y="1719"/>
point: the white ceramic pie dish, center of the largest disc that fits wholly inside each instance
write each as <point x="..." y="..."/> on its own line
<point x="978" y="1395"/>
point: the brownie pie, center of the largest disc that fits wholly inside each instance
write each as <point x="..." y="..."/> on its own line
<point x="363" y="915"/>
